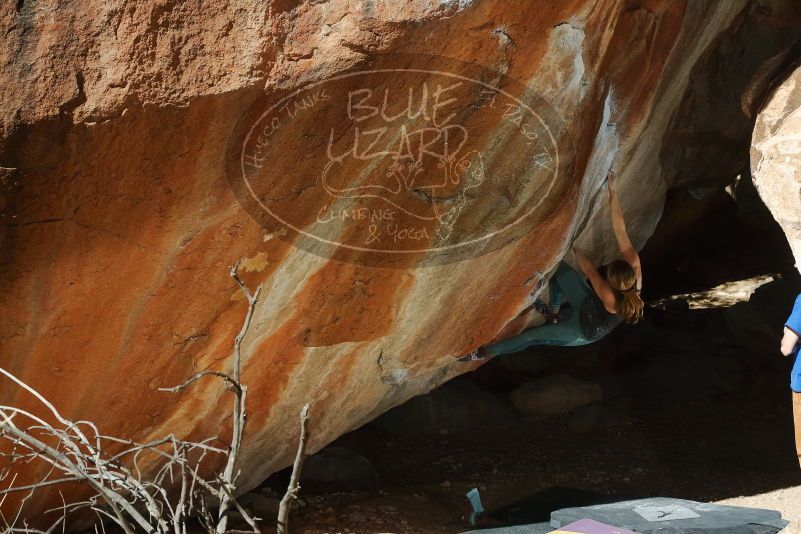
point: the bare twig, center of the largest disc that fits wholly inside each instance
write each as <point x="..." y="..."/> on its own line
<point x="233" y="384"/>
<point x="294" y="481"/>
<point x="251" y="298"/>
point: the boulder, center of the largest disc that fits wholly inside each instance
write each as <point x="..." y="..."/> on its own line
<point x="338" y="464"/>
<point x="555" y="395"/>
<point x="129" y="134"/>
<point x="776" y="157"/>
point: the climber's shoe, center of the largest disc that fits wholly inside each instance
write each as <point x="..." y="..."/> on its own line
<point x="550" y="314"/>
<point x="480" y="353"/>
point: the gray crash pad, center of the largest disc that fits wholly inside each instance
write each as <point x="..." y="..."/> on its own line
<point x="533" y="528"/>
<point x="662" y="514"/>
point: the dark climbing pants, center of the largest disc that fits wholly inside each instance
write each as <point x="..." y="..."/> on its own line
<point x="565" y="285"/>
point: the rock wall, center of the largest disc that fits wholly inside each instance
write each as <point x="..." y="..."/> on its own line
<point x="119" y="220"/>
<point x="776" y="157"/>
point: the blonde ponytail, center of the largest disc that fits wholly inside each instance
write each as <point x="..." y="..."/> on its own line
<point x="623" y="281"/>
<point x="630" y="305"/>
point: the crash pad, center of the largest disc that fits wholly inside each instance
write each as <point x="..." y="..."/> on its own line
<point x="590" y="526"/>
<point x="658" y="515"/>
<point x="663" y="514"/>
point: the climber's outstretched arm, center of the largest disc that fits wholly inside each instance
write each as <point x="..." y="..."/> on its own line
<point x="619" y="226"/>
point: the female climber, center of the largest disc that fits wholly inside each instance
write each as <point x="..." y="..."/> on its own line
<point x="579" y="313"/>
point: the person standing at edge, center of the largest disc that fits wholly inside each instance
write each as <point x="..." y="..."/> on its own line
<point x="789" y="347"/>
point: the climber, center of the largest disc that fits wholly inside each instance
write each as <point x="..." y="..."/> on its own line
<point x="579" y="312"/>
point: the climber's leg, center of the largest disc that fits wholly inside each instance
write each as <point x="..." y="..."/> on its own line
<point x="560" y="333"/>
<point x="569" y="286"/>
<point x="566" y="286"/>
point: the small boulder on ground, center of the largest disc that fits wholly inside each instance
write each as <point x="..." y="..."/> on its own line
<point x="456" y="405"/>
<point x="555" y="395"/>
<point x="338" y="464"/>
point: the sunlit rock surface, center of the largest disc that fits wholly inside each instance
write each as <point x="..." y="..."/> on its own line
<point x="776" y="158"/>
<point x="120" y="215"/>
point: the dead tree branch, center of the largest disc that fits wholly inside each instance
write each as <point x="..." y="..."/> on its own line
<point x="239" y="415"/>
<point x="294" y="481"/>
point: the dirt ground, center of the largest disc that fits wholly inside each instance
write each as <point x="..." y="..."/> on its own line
<point x="711" y="452"/>
<point x="786" y="500"/>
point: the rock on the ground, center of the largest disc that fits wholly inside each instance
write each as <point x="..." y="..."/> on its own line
<point x="555" y="395"/>
<point x="457" y="405"/>
<point x="338" y="464"/>
<point x="119" y="224"/>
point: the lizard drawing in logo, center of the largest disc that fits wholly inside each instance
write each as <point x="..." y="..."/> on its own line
<point x="427" y="176"/>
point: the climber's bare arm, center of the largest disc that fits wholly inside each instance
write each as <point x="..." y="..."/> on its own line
<point x="789" y="341"/>
<point x="598" y="282"/>
<point x="619" y="226"/>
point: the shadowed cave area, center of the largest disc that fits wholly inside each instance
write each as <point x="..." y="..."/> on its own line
<point x="692" y="402"/>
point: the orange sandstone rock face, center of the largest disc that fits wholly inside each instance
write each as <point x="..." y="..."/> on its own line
<point x="121" y="125"/>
